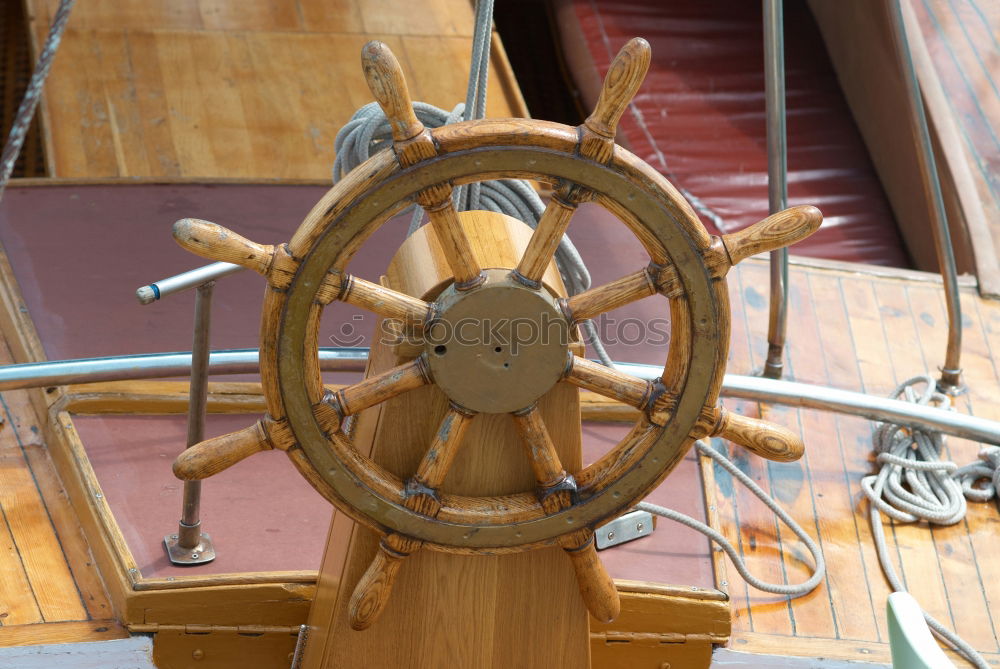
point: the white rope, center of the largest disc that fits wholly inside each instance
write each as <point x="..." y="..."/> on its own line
<point x="26" y="110"/>
<point x="792" y="589"/>
<point x="368" y="132"/>
<point x="914" y="484"/>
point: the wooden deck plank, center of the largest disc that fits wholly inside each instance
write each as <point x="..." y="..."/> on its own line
<point x="740" y="358"/>
<point x="41" y="553"/>
<point x="982" y="521"/>
<point x="200" y="90"/>
<point x="792" y="486"/>
<point x="153" y="150"/>
<point x="968" y="543"/>
<point x="21" y="418"/>
<point x="331" y="16"/>
<point x="226" y="15"/>
<point x="853" y="437"/>
<point x="47" y="574"/>
<point x="760" y="539"/>
<point x="956" y="545"/>
<point x="894" y="338"/>
<point x="729" y="581"/>
<point x="835" y="519"/>
<point x="438" y="17"/>
<point x="963" y="39"/>
<point x="915" y="541"/>
<point x="18" y="605"/>
<point x="875" y="377"/>
<point x="74" y="543"/>
<point x="857" y="651"/>
<point x="64" y="632"/>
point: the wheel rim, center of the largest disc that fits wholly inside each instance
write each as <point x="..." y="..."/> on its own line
<point x="607" y="486"/>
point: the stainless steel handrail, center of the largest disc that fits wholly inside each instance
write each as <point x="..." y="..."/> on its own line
<point x="343" y="359"/>
<point x="190" y="546"/>
<point x="185" y="281"/>
<point x="157" y="366"/>
<point x="809" y="396"/>
<point x="777" y="179"/>
<point x="951" y="372"/>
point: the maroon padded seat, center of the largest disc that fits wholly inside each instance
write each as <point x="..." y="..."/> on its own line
<point x="699" y="118"/>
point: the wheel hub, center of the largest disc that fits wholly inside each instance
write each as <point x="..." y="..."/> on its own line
<point x="498" y="347"/>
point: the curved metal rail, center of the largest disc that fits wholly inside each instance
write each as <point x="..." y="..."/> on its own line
<point x="343" y="359"/>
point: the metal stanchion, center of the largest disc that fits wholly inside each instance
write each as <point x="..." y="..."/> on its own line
<point x="777" y="179"/>
<point x="951" y="373"/>
<point x="190" y="545"/>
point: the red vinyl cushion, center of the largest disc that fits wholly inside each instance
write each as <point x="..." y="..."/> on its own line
<point x="699" y="118"/>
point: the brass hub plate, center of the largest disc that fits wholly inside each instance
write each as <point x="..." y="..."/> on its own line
<point x="498" y="347"/>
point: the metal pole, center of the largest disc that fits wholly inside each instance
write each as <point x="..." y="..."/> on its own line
<point x="190" y="545"/>
<point x="808" y="396"/>
<point x="951" y="373"/>
<point x="190" y="279"/>
<point x="158" y="366"/>
<point x="777" y="179"/>
<point x="349" y="359"/>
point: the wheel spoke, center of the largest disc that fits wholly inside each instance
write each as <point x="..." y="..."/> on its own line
<point x="545" y="239"/>
<point x="377" y="389"/>
<point x="610" y="383"/>
<point x="618" y="293"/>
<point x="454" y="242"/>
<point x="541" y="451"/>
<point x="385" y="302"/>
<point x="444" y="447"/>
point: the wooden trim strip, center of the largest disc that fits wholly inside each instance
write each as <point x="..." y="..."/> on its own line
<point x="154" y="628"/>
<point x="215" y="580"/>
<point x="688" y="591"/>
<point x="112" y="555"/>
<point x="64" y="632"/>
<point x="834" y="649"/>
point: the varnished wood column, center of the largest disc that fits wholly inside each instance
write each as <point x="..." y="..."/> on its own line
<point x="520" y="610"/>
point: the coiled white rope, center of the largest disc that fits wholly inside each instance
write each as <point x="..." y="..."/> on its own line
<point x="914" y="484"/>
<point x="792" y="589"/>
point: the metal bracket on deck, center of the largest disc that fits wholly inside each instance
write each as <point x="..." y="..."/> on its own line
<point x="628" y="527"/>
<point x="203" y="551"/>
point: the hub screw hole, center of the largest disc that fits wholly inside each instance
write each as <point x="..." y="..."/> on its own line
<point x="498" y="349"/>
<point x="440" y="349"/>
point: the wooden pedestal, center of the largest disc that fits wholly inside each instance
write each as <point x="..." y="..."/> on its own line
<point x="520" y="610"/>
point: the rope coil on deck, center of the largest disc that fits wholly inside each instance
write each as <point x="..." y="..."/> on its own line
<point x="914" y="484"/>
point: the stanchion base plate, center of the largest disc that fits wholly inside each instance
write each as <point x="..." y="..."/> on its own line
<point x="203" y="552"/>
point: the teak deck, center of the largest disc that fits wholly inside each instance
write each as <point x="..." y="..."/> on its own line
<point x="854" y="331"/>
<point x="50" y="589"/>
<point x="199" y="88"/>
<point x="963" y="37"/>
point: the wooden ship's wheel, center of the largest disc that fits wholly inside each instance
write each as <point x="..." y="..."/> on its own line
<point x="687" y="266"/>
